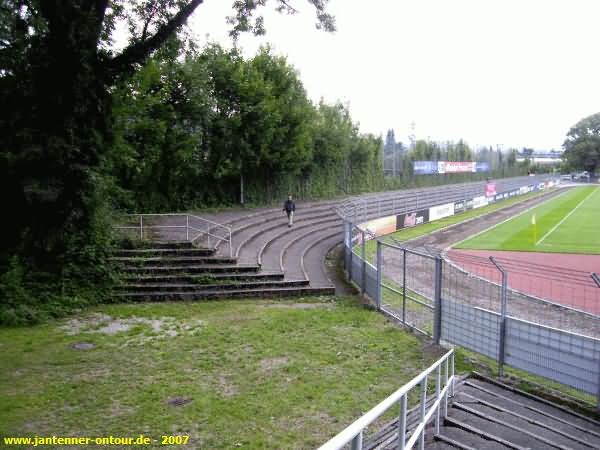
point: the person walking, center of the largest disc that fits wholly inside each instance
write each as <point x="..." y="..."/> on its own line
<point x="289" y="207"/>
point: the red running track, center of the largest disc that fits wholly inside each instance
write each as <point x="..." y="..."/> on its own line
<point x="558" y="277"/>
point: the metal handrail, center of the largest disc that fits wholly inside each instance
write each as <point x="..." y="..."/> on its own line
<point x="354" y="433"/>
<point x="187" y="227"/>
<point x="362" y="208"/>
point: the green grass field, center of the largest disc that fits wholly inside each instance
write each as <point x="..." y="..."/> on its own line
<point x="257" y="374"/>
<point x="569" y="223"/>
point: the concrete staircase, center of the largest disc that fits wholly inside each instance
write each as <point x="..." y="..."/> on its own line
<point x="179" y="271"/>
<point x="487" y="415"/>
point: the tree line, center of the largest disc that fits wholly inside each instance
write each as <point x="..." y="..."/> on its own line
<point x="398" y="162"/>
<point x="87" y="132"/>
<point x="214" y="128"/>
<point x="62" y="144"/>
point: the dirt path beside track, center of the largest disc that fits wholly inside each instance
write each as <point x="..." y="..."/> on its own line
<point x="445" y="237"/>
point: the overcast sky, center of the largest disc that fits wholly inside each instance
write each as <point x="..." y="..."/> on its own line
<point x="512" y="72"/>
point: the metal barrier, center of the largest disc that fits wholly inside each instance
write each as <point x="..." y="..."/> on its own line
<point x="480" y="311"/>
<point x="360" y="209"/>
<point x="186" y="227"/>
<point x="354" y="434"/>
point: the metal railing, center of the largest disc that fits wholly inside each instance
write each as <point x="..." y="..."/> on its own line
<point x="193" y="227"/>
<point x="365" y="207"/>
<point x="354" y="433"/>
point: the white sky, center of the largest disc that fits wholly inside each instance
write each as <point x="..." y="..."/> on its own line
<point x="512" y="72"/>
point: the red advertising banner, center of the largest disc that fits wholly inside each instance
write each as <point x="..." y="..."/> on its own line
<point x="490" y="189"/>
<point x="456" y="166"/>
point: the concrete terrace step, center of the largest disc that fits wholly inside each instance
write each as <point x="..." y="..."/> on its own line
<point x="237" y="293"/>
<point x="545" y="418"/>
<point x="164" y="252"/>
<point x="273" y="240"/>
<point x="135" y="261"/>
<point x="271" y="253"/>
<point x="193" y="269"/>
<point x="462" y="435"/>
<point x="194" y="279"/>
<point x="530" y="401"/>
<point x="252" y="239"/>
<point x="485" y="414"/>
<point x="292" y="257"/>
<point x="313" y="259"/>
<point x="167" y="245"/>
<point x="187" y="287"/>
<point x="275" y="253"/>
<point x="240" y="222"/>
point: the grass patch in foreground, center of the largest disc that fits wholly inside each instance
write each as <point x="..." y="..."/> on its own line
<point x="259" y="374"/>
<point x="566" y="224"/>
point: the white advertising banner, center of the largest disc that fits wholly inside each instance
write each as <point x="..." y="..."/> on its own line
<point x="480" y="201"/>
<point x="439" y="212"/>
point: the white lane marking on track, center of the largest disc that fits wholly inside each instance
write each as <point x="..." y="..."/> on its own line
<point x="504" y="221"/>
<point x="566" y="217"/>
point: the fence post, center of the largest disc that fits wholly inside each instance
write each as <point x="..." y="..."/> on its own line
<point x="438" y="379"/>
<point x="452" y="376"/>
<point x="596" y="278"/>
<point x="402" y="423"/>
<point x="141" y="227"/>
<point x="363" y="255"/>
<point x="503" y="305"/>
<point x="357" y="442"/>
<point x="379" y="274"/>
<point x="446" y="384"/>
<point x="351" y="252"/>
<point x="404" y="286"/>
<point x="208" y="235"/>
<point x="346" y="241"/>
<point x="187" y="227"/>
<point x="422" y="411"/>
<point x="437" y="315"/>
<point x="598" y="394"/>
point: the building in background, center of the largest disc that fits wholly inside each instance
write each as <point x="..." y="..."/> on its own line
<point x="552" y="157"/>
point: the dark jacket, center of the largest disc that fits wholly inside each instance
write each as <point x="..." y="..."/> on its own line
<point x="289" y="205"/>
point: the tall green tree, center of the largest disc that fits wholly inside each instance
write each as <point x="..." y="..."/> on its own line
<point x="57" y="71"/>
<point x="582" y="146"/>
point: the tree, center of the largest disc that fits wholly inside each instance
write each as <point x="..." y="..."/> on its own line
<point x="57" y="71"/>
<point x="262" y="116"/>
<point x="582" y="146"/>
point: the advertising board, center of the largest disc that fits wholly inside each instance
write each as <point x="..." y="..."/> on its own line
<point x="441" y="211"/>
<point x="381" y="226"/>
<point x="480" y="201"/>
<point x="425" y="167"/>
<point x="459" y="206"/>
<point x="482" y="167"/>
<point x="456" y="166"/>
<point x="412" y="219"/>
<point x="442" y="167"/>
<point x="490" y="189"/>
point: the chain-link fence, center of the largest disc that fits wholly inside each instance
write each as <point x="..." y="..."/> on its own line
<point x="409" y="286"/>
<point x="478" y="310"/>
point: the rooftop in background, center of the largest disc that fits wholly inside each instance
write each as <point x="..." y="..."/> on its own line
<point x="543" y="157"/>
